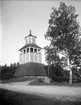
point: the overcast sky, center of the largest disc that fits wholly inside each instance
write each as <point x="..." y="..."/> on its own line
<point x="20" y="16"/>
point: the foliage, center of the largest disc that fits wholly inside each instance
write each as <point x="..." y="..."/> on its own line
<point x="64" y="31"/>
<point x="7" y="72"/>
<point x="51" y="55"/>
<point x="64" y="36"/>
<point x="57" y="73"/>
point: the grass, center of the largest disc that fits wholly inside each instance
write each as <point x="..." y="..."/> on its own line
<point x="41" y="82"/>
<point x="14" y="98"/>
<point x="16" y="79"/>
<point x="37" y="82"/>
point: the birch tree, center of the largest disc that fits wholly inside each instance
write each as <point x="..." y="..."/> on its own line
<point x="64" y="35"/>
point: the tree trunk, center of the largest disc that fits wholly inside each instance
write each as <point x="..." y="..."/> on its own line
<point x="48" y="70"/>
<point x="70" y="77"/>
<point x="70" y="72"/>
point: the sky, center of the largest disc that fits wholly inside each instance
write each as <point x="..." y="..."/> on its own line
<point x="18" y="17"/>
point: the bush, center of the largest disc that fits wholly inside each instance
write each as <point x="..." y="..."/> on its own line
<point x="40" y="80"/>
<point x="7" y="72"/>
<point x="77" y="80"/>
<point x="60" y="79"/>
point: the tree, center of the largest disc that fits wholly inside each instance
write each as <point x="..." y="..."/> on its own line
<point x="7" y="72"/>
<point x="64" y="35"/>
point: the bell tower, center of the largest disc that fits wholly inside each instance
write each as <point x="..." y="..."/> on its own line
<point x="30" y="52"/>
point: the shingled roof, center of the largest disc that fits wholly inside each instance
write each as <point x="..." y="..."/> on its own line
<point x="30" y="45"/>
<point x="30" y="69"/>
<point x="30" y="35"/>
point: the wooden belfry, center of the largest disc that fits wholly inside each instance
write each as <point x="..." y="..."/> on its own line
<point x="30" y="58"/>
<point x="30" y="52"/>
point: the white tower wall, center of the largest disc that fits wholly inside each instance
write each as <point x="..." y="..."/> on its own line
<point x="20" y="58"/>
<point x="26" y="57"/>
<point x="30" y="57"/>
<point x="30" y="39"/>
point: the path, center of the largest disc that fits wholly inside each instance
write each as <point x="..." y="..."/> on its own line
<point x="60" y="92"/>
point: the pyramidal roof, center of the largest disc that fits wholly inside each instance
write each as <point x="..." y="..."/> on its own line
<point x="30" y="45"/>
<point x="30" y="69"/>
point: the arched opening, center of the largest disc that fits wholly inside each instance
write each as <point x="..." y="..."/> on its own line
<point x="24" y="51"/>
<point x="31" y="49"/>
<point x="35" y="50"/>
<point x="27" y="50"/>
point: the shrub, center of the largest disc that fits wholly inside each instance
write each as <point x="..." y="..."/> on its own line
<point x="60" y="79"/>
<point x="40" y="80"/>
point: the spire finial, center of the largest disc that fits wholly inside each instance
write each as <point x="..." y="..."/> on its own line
<point x="30" y="32"/>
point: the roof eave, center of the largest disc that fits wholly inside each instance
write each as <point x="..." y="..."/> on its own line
<point x="30" y="35"/>
<point x="26" y="47"/>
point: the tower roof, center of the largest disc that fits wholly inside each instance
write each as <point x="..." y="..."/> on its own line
<point x="30" y="45"/>
<point x="30" y="34"/>
<point x="30" y="69"/>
